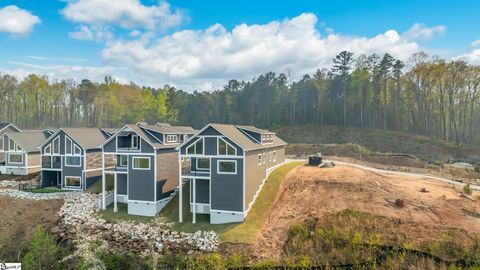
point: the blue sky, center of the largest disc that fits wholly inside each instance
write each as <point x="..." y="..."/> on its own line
<point x="202" y="44"/>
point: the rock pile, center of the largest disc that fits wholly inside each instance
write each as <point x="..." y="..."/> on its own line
<point x="79" y="216"/>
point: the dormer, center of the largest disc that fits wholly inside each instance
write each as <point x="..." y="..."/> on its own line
<point x="260" y="136"/>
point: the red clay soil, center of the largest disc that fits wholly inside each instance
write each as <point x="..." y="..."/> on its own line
<point x="312" y="192"/>
<point x="20" y="217"/>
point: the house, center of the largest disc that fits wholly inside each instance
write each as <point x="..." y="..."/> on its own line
<point x="21" y="152"/>
<point x="144" y="164"/>
<point x="228" y="165"/>
<point x="5" y="127"/>
<point x="72" y="158"/>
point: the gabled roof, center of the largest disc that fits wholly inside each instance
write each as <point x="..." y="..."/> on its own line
<point x="29" y="141"/>
<point x="235" y="134"/>
<point x="142" y="131"/>
<point x="87" y="138"/>
<point x="255" y="129"/>
<point x="5" y="125"/>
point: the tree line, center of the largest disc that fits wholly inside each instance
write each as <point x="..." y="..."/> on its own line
<point x="424" y="95"/>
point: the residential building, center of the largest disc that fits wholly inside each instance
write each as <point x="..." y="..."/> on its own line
<point x="228" y="165"/>
<point x="72" y="158"/>
<point x="5" y="127"/>
<point x="143" y="162"/>
<point x="21" y="152"/>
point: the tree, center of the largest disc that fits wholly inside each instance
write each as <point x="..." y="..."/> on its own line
<point x="42" y="252"/>
<point x="342" y="65"/>
<point x="385" y="66"/>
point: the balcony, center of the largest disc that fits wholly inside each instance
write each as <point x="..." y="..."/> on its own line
<point x="196" y="174"/>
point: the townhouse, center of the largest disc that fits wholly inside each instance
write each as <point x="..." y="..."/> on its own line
<point x="227" y="167"/>
<point x="143" y="160"/>
<point x="21" y="152"/>
<point x="5" y="127"/>
<point x="72" y="157"/>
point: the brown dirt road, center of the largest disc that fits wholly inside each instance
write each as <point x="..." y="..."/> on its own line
<point x="308" y="192"/>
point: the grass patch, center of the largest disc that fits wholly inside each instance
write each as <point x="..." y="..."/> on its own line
<point x="96" y="188"/>
<point x="244" y="232"/>
<point x="122" y="215"/>
<point x="47" y="190"/>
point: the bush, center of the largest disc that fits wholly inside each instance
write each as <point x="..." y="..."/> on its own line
<point x="477" y="167"/>
<point x="42" y="252"/>
<point x="467" y="189"/>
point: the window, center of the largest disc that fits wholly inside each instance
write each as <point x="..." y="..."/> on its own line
<point x="264" y="158"/>
<point x="56" y="145"/>
<point x="141" y="163"/>
<point x="270" y="156"/>
<point x="48" y="149"/>
<point x="172" y="138"/>
<point x="203" y="164"/>
<point x="46" y="161"/>
<point x="56" y="162"/>
<point x="72" y="161"/>
<point x="227" y="167"/>
<point x="259" y="159"/>
<point x="68" y="146"/>
<point x="274" y="156"/>
<point x="185" y="138"/>
<point x="77" y="150"/>
<point x="226" y="149"/>
<point x="267" y="138"/>
<point x="135" y="141"/>
<point x="122" y="161"/>
<point x="11" y="145"/>
<point x="1" y="144"/>
<point x="72" y="181"/>
<point x="196" y="148"/>
<point x="15" y="158"/>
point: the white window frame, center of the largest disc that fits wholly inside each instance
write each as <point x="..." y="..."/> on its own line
<point x="218" y="167"/>
<point x="72" y="165"/>
<point x="259" y="159"/>
<point x="135" y="138"/>
<point x="144" y="169"/>
<point x="274" y="156"/>
<point x="120" y="161"/>
<point x="226" y="148"/>
<point x="49" y="147"/>
<point x="76" y="187"/>
<point x="75" y="147"/>
<point x="203" y="169"/>
<point x="194" y="145"/>
<point x="67" y="139"/>
<point x="264" y="158"/>
<point x="11" y="145"/>
<point x="53" y="145"/>
<point x="9" y="158"/>
<point x="172" y="138"/>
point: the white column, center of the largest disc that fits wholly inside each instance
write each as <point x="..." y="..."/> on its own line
<point x="115" y="209"/>
<point x="194" y="197"/>
<point x="104" y="207"/>
<point x="180" y="190"/>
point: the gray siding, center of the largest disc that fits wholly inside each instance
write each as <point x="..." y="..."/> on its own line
<point x="210" y="147"/>
<point x="146" y="147"/>
<point x="7" y="161"/>
<point x="122" y="184"/>
<point x="142" y="183"/>
<point x="111" y="146"/>
<point x="227" y="189"/>
<point x="202" y="187"/>
<point x="210" y="131"/>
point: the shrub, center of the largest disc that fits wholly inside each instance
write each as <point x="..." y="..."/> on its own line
<point x="42" y="252"/>
<point x="477" y="167"/>
<point x="467" y="189"/>
<point x="400" y="203"/>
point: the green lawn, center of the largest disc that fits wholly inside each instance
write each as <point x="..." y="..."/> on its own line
<point x="47" y="190"/>
<point x="122" y="215"/>
<point x="244" y="232"/>
<point x="96" y="188"/>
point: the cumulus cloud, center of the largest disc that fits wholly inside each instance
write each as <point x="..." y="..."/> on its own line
<point x="472" y="56"/>
<point x="92" y="33"/>
<point x="212" y="56"/>
<point x="476" y="43"/>
<point x="16" y="21"/>
<point x="420" y="31"/>
<point x="127" y="14"/>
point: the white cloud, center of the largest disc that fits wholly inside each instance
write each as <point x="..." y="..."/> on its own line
<point x="420" y="31"/>
<point x="476" y="43"/>
<point x="212" y="56"/>
<point x="92" y="33"/>
<point x="125" y="13"/>
<point x="472" y="56"/>
<point x="16" y="21"/>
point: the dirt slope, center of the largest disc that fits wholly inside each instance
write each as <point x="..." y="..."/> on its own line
<point x="313" y="192"/>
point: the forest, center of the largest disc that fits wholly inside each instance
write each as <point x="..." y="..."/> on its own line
<point x="423" y="95"/>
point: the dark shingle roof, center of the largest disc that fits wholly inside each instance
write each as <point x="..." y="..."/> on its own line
<point x="4" y="125"/>
<point x="29" y="141"/>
